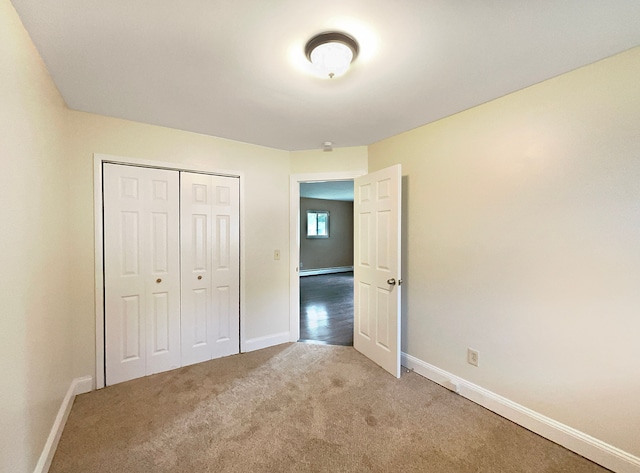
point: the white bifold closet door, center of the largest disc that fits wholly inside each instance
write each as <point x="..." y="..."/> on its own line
<point x="142" y="271"/>
<point x="209" y="207"/>
<point x="171" y="262"/>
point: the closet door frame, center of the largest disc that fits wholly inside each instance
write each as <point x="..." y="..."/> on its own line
<point x="98" y="160"/>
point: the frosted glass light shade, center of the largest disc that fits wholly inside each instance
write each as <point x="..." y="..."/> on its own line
<point x="331" y="59"/>
<point x="331" y="53"/>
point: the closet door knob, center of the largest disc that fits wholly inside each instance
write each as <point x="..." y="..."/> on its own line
<point x="158" y="280"/>
<point x="200" y="277"/>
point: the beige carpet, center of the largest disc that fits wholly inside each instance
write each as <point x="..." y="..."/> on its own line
<point x="296" y="408"/>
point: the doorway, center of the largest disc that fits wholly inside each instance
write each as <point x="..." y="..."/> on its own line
<point x="377" y="275"/>
<point x="323" y="283"/>
<point x="326" y="262"/>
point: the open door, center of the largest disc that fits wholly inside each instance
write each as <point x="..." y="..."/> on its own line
<point x="377" y="272"/>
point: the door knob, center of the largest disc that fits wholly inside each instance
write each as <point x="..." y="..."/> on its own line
<point x="158" y="280"/>
<point x="200" y="277"/>
<point x="391" y="281"/>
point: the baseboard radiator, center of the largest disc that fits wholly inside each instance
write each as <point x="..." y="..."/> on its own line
<point x="315" y="272"/>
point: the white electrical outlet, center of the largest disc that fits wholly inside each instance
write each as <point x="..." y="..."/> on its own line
<point x="473" y="357"/>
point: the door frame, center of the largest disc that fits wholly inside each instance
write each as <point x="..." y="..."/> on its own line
<point x="98" y="160"/>
<point x="294" y="239"/>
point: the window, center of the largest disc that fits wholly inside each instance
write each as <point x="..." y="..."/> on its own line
<point x="317" y="224"/>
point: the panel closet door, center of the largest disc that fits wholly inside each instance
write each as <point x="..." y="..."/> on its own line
<point x="210" y="236"/>
<point x="142" y="271"/>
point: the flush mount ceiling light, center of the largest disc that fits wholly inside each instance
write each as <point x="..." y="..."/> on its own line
<point x="331" y="53"/>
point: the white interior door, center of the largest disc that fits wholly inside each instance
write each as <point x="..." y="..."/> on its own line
<point x="210" y="267"/>
<point x="142" y="271"/>
<point x="377" y="272"/>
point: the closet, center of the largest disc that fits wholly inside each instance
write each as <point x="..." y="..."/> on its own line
<point x="171" y="269"/>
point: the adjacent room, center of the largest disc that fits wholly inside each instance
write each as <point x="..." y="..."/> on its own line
<point x="158" y="239"/>
<point x="326" y="262"/>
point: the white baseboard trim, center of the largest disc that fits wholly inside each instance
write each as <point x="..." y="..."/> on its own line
<point x="259" y="343"/>
<point x="78" y="386"/>
<point x="314" y="272"/>
<point x="591" y="448"/>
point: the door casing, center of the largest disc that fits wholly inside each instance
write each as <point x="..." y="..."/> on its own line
<point x="98" y="160"/>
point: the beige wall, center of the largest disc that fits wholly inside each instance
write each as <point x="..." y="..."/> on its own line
<point x="35" y="338"/>
<point x="353" y="159"/>
<point x="265" y="214"/>
<point x="522" y="241"/>
<point x="335" y="251"/>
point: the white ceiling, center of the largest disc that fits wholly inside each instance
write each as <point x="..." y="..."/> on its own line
<point x="328" y="190"/>
<point x="236" y="68"/>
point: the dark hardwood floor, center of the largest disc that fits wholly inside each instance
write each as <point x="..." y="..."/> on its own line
<point x="326" y="309"/>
